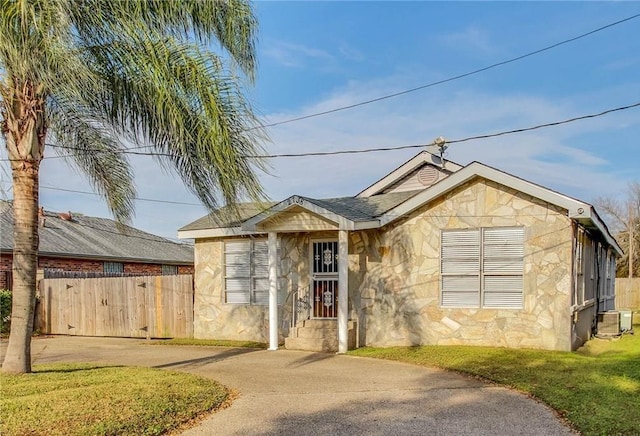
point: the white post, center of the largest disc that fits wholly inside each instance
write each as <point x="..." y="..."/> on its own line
<point x="273" y="291"/>
<point x="343" y="291"/>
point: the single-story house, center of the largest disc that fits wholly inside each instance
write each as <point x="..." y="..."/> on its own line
<point x="432" y="253"/>
<point x="72" y="242"/>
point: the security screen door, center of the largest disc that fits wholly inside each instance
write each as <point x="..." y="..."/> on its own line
<point x="324" y="283"/>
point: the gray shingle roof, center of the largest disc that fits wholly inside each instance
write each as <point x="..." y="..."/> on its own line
<point x="97" y="238"/>
<point x="352" y="208"/>
<point x="363" y="208"/>
<point x="225" y="218"/>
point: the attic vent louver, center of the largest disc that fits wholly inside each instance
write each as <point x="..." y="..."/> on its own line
<point x="427" y="175"/>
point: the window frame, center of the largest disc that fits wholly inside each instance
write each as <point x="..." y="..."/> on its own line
<point x="165" y="270"/>
<point x="108" y="267"/>
<point x="481" y="261"/>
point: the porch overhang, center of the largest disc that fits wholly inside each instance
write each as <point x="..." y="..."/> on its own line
<point x="299" y="214"/>
<point x="214" y="233"/>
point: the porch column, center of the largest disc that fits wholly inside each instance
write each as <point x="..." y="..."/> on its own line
<point x="273" y="290"/>
<point x="343" y="291"/>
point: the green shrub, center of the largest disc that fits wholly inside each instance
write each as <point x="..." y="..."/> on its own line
<point x="5" y="311"/>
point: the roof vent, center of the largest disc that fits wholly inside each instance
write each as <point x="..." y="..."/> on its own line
<point x="428" y="175"/>
<point x="66" y="216"/>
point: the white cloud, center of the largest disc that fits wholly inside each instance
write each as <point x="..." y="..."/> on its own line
<point x="469" y="39"/>
<point x="294" y="55"/>
<point x="559" y="157"/>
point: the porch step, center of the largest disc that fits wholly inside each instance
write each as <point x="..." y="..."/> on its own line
<point x="319" y="335"/>
<point x="325" y="345"/>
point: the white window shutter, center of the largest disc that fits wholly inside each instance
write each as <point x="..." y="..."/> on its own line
<point x="460" y="268"/>
<point x="237" y="260"/>
<point x="247" y="272"/>
<point x="502" y="267"/>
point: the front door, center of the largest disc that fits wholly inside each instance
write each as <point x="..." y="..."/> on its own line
<point x="324" y="283"/>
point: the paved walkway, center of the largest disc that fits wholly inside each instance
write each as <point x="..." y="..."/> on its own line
<point x="299" y="393"/>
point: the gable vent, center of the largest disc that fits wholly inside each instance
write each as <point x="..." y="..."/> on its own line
<point x="427" y="175"/>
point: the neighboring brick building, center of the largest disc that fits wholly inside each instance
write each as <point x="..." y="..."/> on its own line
<point x="77" y="243"/>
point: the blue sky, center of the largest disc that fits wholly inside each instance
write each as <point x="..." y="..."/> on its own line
<point x="315" y="56"/>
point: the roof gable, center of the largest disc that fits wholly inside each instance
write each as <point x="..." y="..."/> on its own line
<point x="407" y="176"/>
<point x="576" y="209"/>
<point x="379" y="205"/>
<point x="347" y="213"/>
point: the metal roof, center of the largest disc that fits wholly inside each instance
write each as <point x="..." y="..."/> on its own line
<point x="80" y="236"/>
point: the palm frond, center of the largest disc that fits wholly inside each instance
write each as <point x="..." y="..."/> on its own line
<point x="95" y="150"/>
<point x="142" y="70"/>
<point x="183" y="103"/>
<point x="230" y="22"/>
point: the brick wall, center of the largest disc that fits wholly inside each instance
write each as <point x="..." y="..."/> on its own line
<point x="82" y="265"/>
<point x="185" y="269"/>
<point x="5" y="272"/>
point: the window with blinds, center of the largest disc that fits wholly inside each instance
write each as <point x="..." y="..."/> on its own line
<point x="482" y="267"/>
<point x="169" y="270"/>
<point x="246" y="272"/>
<point x="113" y="267"/>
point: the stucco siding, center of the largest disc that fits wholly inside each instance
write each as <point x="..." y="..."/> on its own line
<point x="396" y="275"/>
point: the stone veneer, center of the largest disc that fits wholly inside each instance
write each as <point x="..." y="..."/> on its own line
<point x="394" y="280"/>
<point x="394" y="274"/>
<point x="215" y="319"/>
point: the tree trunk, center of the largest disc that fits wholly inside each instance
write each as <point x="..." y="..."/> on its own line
<point x="25" y="265"/>
<point x="24" y="130"/>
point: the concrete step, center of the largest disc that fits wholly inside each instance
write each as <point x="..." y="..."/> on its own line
<point x="325" y="345"/>
<point x="313" y="332"/>
<point x="318" y="323"/>
<point x="319" y="335"/>
<point x="323" y="323"/>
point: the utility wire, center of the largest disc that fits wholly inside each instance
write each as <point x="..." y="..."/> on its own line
<point x="450" y="79"/>
<point x="401" y="147"/>
<point x="328" y="213"/>
<point x="370" y="150"/>
<point x="454" y="141"/>
<point x="135" y="198"/>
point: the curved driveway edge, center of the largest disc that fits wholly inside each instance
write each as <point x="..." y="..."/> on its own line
<point x="299" y="393"/>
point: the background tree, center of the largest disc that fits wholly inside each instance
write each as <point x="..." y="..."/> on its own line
<point x="90" y="78"/>
<point x="623" y="218"/>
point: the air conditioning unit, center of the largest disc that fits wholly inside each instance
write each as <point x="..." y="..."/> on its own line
<point x="609" y="323"/>
<point x="626" y="320"/>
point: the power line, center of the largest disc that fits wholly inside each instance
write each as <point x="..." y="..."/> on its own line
<point x="371" y="150"/>
<point x="454" y="141"/>
<point x="450" y="79"/>
<point x="402" y="147"/>
<point x="153" y="200"/>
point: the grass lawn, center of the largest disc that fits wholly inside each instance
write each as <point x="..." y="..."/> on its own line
<point x="597" y="388"/>
<point x="209" y="343"/>
<point x="82" y="399"/>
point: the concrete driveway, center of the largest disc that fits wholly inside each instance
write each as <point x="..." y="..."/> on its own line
<point x="300" y="393"/>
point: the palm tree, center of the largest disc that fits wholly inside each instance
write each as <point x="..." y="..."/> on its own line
<point x="93" y="78"/>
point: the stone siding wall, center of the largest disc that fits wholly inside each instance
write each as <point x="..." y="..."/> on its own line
<point x="395" y="280"/>
<point x="213" y="317"/>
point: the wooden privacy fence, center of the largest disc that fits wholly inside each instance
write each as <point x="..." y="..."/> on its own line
<point x="136" y="307"/>
<point x="628" y="293"/>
